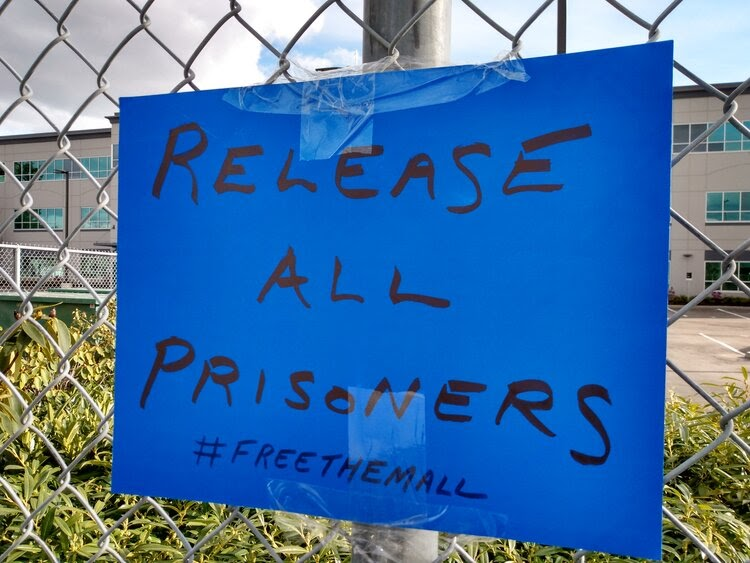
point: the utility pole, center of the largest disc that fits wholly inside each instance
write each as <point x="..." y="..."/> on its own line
<point x="66" y="210"/>
<point x="562" y="27"/>
<point x="427" y="43"/>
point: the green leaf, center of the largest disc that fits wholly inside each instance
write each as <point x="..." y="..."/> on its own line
<point x="46" y="526"/>
<point x="22" y="340"/>
<point x="34" y="333"/>
<point x="60" y="329"/>
<point x="6" y="356"/>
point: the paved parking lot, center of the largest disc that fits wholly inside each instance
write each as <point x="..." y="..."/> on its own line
<point x="710" y="344"/>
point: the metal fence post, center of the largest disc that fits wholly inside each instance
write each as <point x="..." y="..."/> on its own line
<point x="17" y="258"/>
<point x="379" y="544"/>
<point x="428" y="41"/>
<point x="428" y="44"/>
<point x="562" y="26"/>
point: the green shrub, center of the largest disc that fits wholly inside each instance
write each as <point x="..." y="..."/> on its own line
<point x="712" y="497"/>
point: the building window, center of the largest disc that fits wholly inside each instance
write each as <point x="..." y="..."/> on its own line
<point x="713" y="273"/>
<point x="115" y="155"/>
<point x="98" y="166"/>
<point x="26" y="169"/>
<point x="727" y="138"/>
<point x="727" y="207"/>
<point x="52" y="216"/>
<point x="99" y="220"/>
<point x="2" y="175"/>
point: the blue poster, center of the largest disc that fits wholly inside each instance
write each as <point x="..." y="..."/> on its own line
<point x="432" y="299"/>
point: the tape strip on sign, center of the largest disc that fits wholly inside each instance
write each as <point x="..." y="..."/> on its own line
<point x="453" y="322"/>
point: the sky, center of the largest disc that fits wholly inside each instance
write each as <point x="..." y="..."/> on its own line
<point x="712" y="39"/>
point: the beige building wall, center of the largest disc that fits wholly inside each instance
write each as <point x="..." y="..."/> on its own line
<point x="692" y="178"/>
<point x="50" y="194"/>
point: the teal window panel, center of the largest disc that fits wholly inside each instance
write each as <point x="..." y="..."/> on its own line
<point x="733" y="134"/>
<point x="731" y="201"/>
<point x="718" y="135"/>
<point x="714" y="201"/>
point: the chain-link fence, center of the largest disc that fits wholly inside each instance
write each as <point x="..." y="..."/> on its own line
<point x="56" y="416"/>
<point x="34" y="268"/>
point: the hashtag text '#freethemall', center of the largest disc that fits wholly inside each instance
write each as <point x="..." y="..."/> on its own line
<point x="267" y="457"/>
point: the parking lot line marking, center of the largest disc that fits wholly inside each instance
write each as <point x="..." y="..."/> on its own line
<point x="735" y="314"/>
<point x="720" y="343"/>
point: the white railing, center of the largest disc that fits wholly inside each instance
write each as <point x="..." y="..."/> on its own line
<point x="46" y="268"/>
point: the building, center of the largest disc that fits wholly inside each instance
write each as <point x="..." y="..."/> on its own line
<point x="63" y="195"/>
<point x="64" y="202"/>
<point x="710" y="189"/>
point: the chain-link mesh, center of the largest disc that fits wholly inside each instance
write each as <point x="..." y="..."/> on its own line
<point x="54" y="506"/>
<point x="34" y="268"/>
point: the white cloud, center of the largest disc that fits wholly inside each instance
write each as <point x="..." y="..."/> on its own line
<point x="714" y="43"/>
<point x="280" y="20"/>
<point x="338" y="57"/>
<point x="61" y="82"/>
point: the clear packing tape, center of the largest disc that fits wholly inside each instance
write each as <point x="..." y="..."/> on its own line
<point x="405" y="535"/>
<point x="336" y="108"/>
